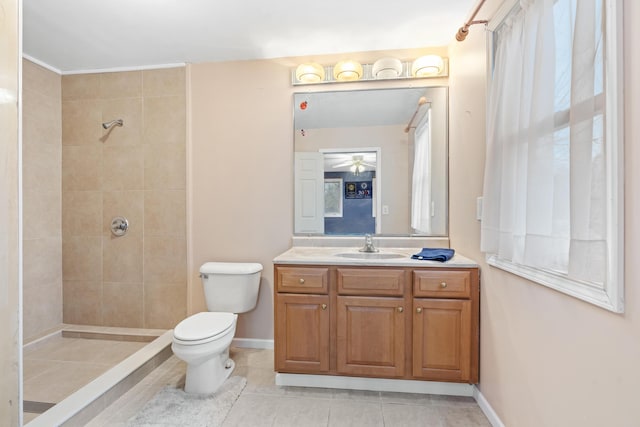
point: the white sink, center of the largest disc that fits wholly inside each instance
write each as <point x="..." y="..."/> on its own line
<point x="371" y="255"/>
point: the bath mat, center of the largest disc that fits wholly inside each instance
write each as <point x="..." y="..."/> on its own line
<point x="173" y="407"/>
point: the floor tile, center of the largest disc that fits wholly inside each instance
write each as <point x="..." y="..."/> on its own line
<point x="399" y="415"/>
<point x="353" y="413"/>
<point x="300" y="411"/>
<point x="262" y="403"/>
<point x="254" y="410"/>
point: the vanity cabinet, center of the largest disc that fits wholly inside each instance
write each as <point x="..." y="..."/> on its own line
<point x="382" y="322"/>
<point x="302" y="319"/>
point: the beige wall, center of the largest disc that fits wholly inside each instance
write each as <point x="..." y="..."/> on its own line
<point x="241" y="167"/>
<point x="548" y="359"/>
<point x="42" y="199"/>
<point x="137" y="171"/>
<point x="10" y="363"/>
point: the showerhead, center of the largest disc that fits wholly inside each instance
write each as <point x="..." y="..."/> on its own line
<point x="117" y="122"/>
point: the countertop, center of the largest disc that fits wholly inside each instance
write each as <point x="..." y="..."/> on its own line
<point x="331" y="256"/>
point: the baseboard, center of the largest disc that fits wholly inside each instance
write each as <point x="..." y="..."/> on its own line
<point x="486" y="408"/>
<point x="252" y="343"/>
<point x="375" y="384"/>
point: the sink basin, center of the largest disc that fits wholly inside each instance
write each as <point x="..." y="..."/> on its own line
<point x="370" y="255"/>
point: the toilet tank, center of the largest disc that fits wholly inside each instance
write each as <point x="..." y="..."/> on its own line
<point x="230" y="287"/>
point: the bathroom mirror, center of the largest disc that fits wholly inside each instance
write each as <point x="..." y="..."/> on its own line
<point x="371" y="161"/>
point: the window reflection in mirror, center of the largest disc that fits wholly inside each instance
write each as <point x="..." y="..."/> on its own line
<point x="393" y="181"/>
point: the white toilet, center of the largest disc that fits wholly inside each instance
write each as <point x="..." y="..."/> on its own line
<point x="203" y="340"/>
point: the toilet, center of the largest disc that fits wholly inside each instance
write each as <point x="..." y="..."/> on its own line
<point x="203" y="340"/>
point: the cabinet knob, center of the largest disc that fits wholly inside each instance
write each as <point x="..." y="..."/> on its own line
<point x="419" y="310"/>
<point x="443" y="285"/>
<point x="301" y="281"/>
<point x="400" y="309"/>
<point x="324" y="306"/>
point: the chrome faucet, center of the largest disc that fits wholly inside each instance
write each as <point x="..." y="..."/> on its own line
<point x="368" y="244"/>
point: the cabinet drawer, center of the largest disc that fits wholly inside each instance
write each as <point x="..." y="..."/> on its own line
<point x="302" y="280"/>
<point x="442" y="284"/>
<point x="369" y="281"/>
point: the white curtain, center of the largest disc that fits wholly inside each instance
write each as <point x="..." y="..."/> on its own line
<point x="421" y="182"/>
<point x="544" y="187"/>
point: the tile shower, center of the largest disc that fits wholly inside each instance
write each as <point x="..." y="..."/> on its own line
<point x="78" y="176"/>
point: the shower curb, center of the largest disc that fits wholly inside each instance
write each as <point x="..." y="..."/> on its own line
<point x="87" y="402"/>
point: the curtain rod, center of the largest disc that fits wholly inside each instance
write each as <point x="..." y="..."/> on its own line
<point x="421" y="102"/>
<point x="464" y="30"/>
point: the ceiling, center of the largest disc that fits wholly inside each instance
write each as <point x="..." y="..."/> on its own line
<point x="75" y="36"/>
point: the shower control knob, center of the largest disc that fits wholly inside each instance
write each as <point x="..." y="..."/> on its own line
<point x="119" y="226"/>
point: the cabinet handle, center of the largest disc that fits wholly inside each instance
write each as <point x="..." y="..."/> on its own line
<point x="400" y="309"/>
<point x="324" y="306"/>
<point x="443" y="285"/>
<point x="301" y="281"/>
<point x="419" y="310"/>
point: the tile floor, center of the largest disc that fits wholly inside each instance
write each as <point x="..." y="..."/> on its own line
<point x="262" y="403"/>
<point x="59" y="366"/>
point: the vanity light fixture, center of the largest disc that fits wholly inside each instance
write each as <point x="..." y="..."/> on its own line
<point x="347" y="71"/>
<point x="310" y="73"/>
<point x="425" y="66"/>
<point x="386" y="68"/>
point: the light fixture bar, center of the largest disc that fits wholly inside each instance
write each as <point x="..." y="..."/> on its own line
<point x="367" y="74"/>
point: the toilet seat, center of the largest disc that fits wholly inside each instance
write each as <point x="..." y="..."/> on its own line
<point x="203" y="327"/>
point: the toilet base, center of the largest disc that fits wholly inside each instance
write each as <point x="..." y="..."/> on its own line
<point x="207" y="377"/>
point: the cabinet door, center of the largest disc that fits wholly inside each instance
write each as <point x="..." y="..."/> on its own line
<point x="302" y="333"/>
<point x="442" y="339"/>
<point x="371" y="336"/>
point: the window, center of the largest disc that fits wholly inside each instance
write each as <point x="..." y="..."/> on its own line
<point x="553" y="178"/>
<point x="333" y="197"/>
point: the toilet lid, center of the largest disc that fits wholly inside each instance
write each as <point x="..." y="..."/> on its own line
<point x="203" y="325"/>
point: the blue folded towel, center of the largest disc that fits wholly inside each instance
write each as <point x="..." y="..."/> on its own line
<point x="434" y="254"/>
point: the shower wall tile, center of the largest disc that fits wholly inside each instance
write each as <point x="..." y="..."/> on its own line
<point x="129" y="204"/>
<point x="164" y="213"/>
<point x="81" y="168"/>
<point x="81" y="122"/>
<point x="82" y="213"/>
<point x="126" y="84"/>
<point x="165" y="259"/>
<point x="80" y="86"/>
<point x="82" y="302"/>
<point x="130" y="111"/>
<point x="137" y="171"/>
<point x="122" y="304"/>
<point x="43" y="112"/>
<point x="43" y="210"/>
<point x="164" y="304"/>
<point x="42" y="233"/>
<point x="123" y="168"/>
<point x="41" y="80"/>
<point x="165" y="120"/>
<point x="42" y="261"/>
<point x="44" y="307"/>
<point x="164" y="82"/>
<point x="165" y="167"/>
<point x="122" y="258"/>
<point x="41" y="162"/>
<point x="82" y="258"/>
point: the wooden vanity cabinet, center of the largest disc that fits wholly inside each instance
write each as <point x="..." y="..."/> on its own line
<point x="445" y="325"/>
<point x="383" y="322"/>
<point x="302" y="320"/>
